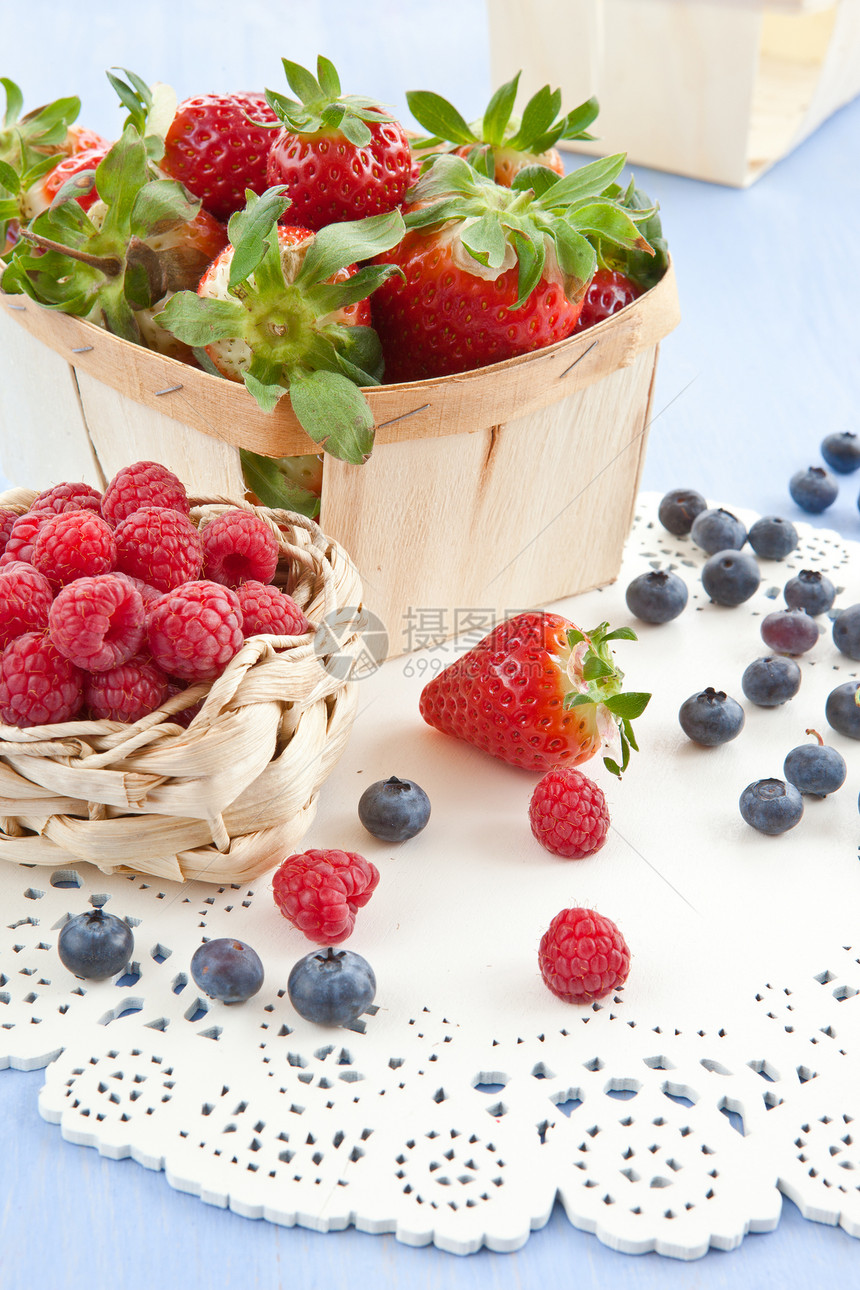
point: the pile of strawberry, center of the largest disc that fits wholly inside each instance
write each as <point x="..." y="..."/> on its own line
<point x="247" y="233"/>
<point x="111" y="603"/>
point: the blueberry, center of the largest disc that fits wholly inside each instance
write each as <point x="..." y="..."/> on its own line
<point x="810" y="590"/>
<point x="711" y="717"/>
<point x="730" y="577"/>
<point x="657" y="597"/>
<point x="95" y="945"/>
<point x="768" y="682"/>
<point x="813" y="489"/>
<point x="771" y="806"/>
<point x="815" y="769"/>
<point x="394" y="809"/>
<point x="846" y="631"/>
<point x="332" y="988"/>
<point x="772" y="537"/>
<point x="678" y="509"/>
<point x="842" y="452"/>
<point x="843" y="709"/>
<point x="718" y="530"/>
<point x="227" y="969"/>
<point x="789" y="631"/>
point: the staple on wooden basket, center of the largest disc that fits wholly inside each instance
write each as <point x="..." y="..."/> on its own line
<point x="225" y="798"/>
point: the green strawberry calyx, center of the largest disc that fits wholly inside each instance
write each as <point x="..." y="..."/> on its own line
<point x="539" y="128"/>
<point x="293" y="345"/>
<point x="540" y="213"/>
<point x="30" y="146"/>
<point x="321" y="106"/>
<point x="151" y="109"/>
<point x="597" y="681"/>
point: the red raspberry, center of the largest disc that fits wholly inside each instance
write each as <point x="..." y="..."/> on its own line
<point x="568" y="814"/>
<point x="148" y="593"/>
<point x="22" y="535"/>
<point x="583" y="956"/>
<point x="319" y="892"/>
<point x="195" y="630"/>
<point x="7" y="519"/>
<point x="146" y="483"/>
<point x="25" y="599"/>
<point x="265" y="610"/>
<point x="238" y="547"/>
<point x="98" y="623"/>
<point x="37" y="685"/>
<point x="126" y="693"/>
<point x="159" y="546"/>
<point x="74" y="544"/>
<point x="68" y="497"/>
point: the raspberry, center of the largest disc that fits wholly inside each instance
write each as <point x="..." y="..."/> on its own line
<point x="22" y="535"/>
<point x="126" y="693"/>
<point x="319" y="892"/>
<point x="568" y="814"/>
<point x="146" y="483"/>
<point x="195" y="630"/>
<point x="7" y="519"/>
<point x="68" y="497"/>
<point x="583" y="956"/>
<point x="159" y="546"/>
<point x="37" y="685"/>
<point x="98" y="623"/>
<point x="25" y="599"/>
<point x="265" y="610"/>
<point x="74" y="544"/>
<point x="148" y="593"/>
<point x="239" y="547"/>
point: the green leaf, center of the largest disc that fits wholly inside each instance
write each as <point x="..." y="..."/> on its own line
<point x="249" y="231"/>
<point x="14" y="101"/>
<point x="331" y="117"/>
<point x="539" y="114"/>
<point x="594" y="668"/>
<point x="620" y="634"/>
<point x="587" y="181"/>
<point x="199" y="321"/>
<point x="265" y="479"/>
<point x="161" y="205"/>
<point x="606" y="220"/>
<point x="134" y="102"/>
<point x="629" y="706"/>
<point x="361" y="348"/>
<point x="338" y="245"/>
<point x="328" y="78"/>
<point x="353" y="129"/>
<point x="329" y="296"/>
<point x="538" y="179"/>
<point x="119" y="176"/>
<point x="447" y="175"/>
<point x="334" y="412"/>
<point x="302" y="83"/>
<point x="576" y="700"/>
<point x="574" y="637"/>
<point x="578" y="121"/>
<point x="576" y="259"/>
<point x="439" y="117"/>
<point x="9" y="178"/>
<point x="267" y="393"/>
<point x="79" y="185"/>
<point x="627" y="730"/>
<point x="612" y="767"/>
<point x="531" y="257"/>
<point x="485" y="240"/>
<point x="499" y="110"/>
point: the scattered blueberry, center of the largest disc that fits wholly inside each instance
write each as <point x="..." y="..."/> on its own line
<point x="810" y="590"/>
<point x="332" y="988"/>
<point x="730" y="577"/>
<point x="678" y="509"/>
<point x="711" y="717"/>
<point x="657" y="596"/>
<point x="846" y="631"/>
<point x="772" y="537"/>
<point x="394" y="809"/>
<point x="771" y="806"/>
<point x="815" y="769"/>
<point x="842" y="452"/>
<point x="843" y="709"/>
<point x="95" y="945"/>
<point x="227" y="969"/>
<point x="768" y="682"/>
<point x="813" y="489"/>
<point x="718" y="530"/>
<point x="789" y="631"/>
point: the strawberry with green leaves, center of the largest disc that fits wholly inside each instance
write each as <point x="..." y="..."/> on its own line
<point x="623" y="273"/>
<point x="30" y="147"/>
<point x="492" y="272"/>
<point x="502" y="144"/>
<point x="338" y="156"/>
<point x="538" y="692"/>
<point x="284" y="310"/>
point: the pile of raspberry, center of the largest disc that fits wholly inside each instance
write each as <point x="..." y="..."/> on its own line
<point x="111" y="603"/>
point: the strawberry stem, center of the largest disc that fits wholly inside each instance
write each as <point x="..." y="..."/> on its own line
<point x="108" y="264"/>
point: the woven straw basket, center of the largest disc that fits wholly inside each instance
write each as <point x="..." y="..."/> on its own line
<point x="235" y="792"/>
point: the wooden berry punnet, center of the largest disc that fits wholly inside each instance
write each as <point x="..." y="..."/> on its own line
<point x="487" y="492"/>
<point x="228" y="797"/>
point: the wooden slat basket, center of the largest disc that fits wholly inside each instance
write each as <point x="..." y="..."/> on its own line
<point x="234" y="793"/>
<point x="715" y="89"/>
<point x="486" y="493"/>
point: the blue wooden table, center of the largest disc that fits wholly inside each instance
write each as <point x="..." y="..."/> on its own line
<point x="764" y="364"/>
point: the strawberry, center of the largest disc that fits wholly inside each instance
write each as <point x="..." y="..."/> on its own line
<point x="491" y="272"/>
<point x="607" y="293"/>
<point x="78" y="170"/>
<point x="285" y="309"/>
<point x="339" y="156"/>
<point x="30" y="146"/>
<point x="500" y="144"/>
<point x="217" y="146"/>
<point x="538" y="692"/>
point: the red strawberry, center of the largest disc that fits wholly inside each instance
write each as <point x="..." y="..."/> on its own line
<point x="339" y="157"/>
<point x="79" y="167"/>
<point x="609" y="291"/>
<point x="492" y="272"/>
<point x="217" y="147"/>
<point x="79" y="138"/>
<point x="538" y="692"/>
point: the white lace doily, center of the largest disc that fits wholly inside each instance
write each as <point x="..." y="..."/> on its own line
<point x="669" y="1117"/>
